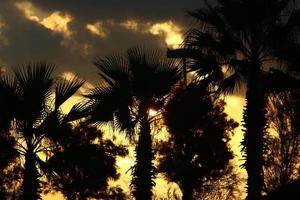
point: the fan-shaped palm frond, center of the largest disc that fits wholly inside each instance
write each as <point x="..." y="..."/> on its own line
<point x="78" y="111"/>
<point x="65" y="89"/>
<point x="113" y="70"/>
<point x="34" y="87"/>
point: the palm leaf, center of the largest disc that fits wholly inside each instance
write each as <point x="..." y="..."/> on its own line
<point x="113" y="69"/>
<point x="65" y="89"/>
<point x="78" y="111"/>
<point x="34" y="88"/>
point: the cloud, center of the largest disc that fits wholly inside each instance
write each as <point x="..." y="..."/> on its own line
<point x="29" y="10"/>
<point x="56" y="30"/>
<point x="130" y="25"/>
<point x="170" y="31"/>
<point x="97" y="29"/>
<point x="56" y="21"/>
<point x="3" y="38"/>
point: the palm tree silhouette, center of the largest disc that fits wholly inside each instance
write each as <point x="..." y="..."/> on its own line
<point x="134" y="84"/>
<point x="250" y="40"/>
<point x="37" y="117"/>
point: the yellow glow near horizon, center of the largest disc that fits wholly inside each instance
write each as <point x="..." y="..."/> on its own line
<point x="97" y="29"/>
<point x="233" y="109"/>
<point x="57" y="21"/>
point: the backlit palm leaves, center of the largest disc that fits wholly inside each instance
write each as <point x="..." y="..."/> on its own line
<point x="132" y="84"/>
<point x="36" y="122"/>
<point x="248" y="39"/>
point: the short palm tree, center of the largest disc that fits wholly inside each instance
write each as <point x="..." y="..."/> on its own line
<point x="37" y="117"/>
<point x="252" y="40"/>
<point x="132" y="85"/>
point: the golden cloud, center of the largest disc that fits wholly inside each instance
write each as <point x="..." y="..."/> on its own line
<point x="29" y="10"/>
<point x="170" y="31"/>
<point x="57" y="21"/>
<point x="130" y="25"/>
<point x="97" y="29"/>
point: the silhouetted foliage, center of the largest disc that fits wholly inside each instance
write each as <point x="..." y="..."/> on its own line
<point x="88" y="163"/>
<point x="283" y="141"/>
<point x="30" y="94"/>
<point x="197" y="152"/>
<point x="8" y="153"/>
<point x="10" y="179"/>
<point x="290" y="191"/>
<point x="134" y="83"/>
<point x="250" y="40"/>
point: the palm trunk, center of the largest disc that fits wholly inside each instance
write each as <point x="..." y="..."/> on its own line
<point x="30" y="185"/>
<point x="254" y="124"/>
<point x="144" y="170"/>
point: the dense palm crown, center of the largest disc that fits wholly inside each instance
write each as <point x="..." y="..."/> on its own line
<point x="33" y="100"/>
<point x="251" y="40"/>
<point x="132" y="84"/>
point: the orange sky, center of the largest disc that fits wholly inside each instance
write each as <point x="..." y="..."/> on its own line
<point x="234" y="109"/>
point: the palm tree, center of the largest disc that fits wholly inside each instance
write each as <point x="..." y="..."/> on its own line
<point x="37" y="117"/>
<point x="250" y="40"/>
<point x="132" y="85"/>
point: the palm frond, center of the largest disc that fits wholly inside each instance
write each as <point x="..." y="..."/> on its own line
<point x="34" y="87"/>
<point x="65" y="89"/>
<point x="113" y="69"/>
<point x="123" y="121"/>
<point x="78" y="111"/>
<point x="104" y="101"/>
<point x="229" y="84"/>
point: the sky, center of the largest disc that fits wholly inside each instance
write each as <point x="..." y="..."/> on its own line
<point x="71" y="34"/>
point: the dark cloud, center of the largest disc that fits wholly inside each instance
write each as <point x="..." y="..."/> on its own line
<point x="90" y="10"/>
<point x="31" y="41"/>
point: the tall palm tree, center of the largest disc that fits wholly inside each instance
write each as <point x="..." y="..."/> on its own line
<point x="251" y="40"/>
<point x="37" y="117"/>
<point x="132" y="85"/>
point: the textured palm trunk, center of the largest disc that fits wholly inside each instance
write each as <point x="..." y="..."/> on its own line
<point x="254" y="124"/>
<point x="30" y="185"/>
<point x="144" y="170"/>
